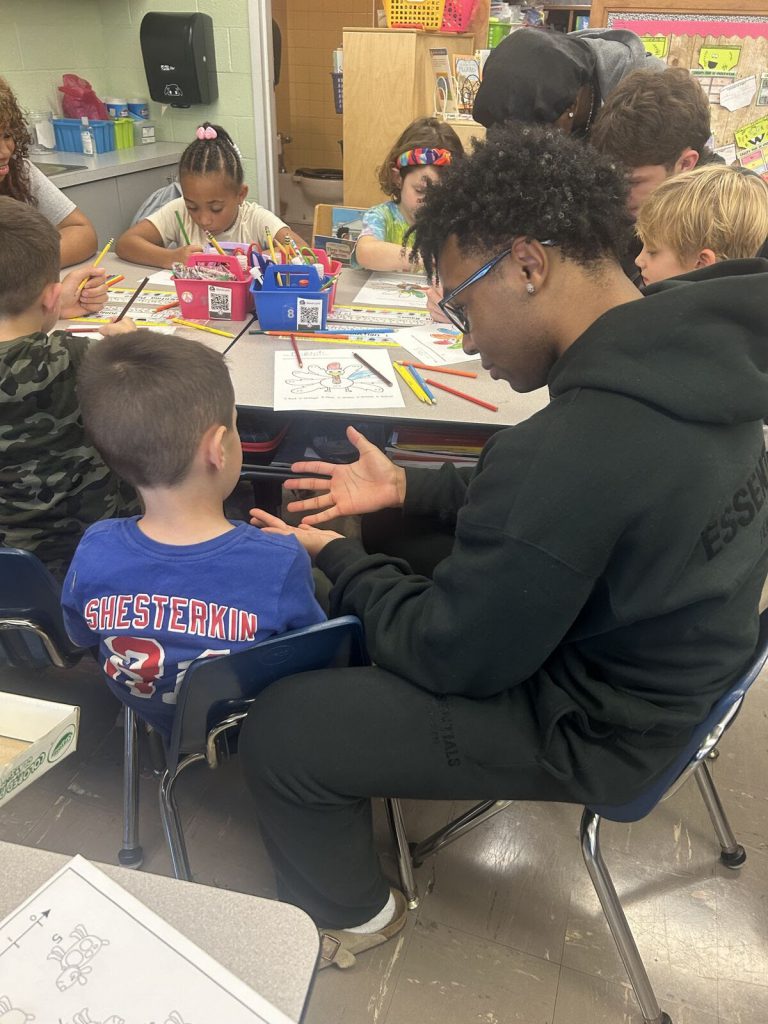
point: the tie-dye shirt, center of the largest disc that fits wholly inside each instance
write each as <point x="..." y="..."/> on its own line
<point x="384" y="221"/>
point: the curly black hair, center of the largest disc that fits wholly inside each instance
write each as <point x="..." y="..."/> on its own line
<point x="202" y="156"/>
<point x="531" y="181"/>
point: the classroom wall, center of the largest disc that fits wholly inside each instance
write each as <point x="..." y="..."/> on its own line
<point x="99" y="40"/>
<point x="304" y="98"/>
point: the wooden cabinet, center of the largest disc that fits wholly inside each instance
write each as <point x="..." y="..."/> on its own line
<point x="388" y="82"/>
<point x="567" y="17"/>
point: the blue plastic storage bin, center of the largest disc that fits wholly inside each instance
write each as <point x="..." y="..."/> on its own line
<point x="294" y="306"/>
<point x="67" y="131"/>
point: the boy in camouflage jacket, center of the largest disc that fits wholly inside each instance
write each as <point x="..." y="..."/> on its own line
<point x="53" y="484"/>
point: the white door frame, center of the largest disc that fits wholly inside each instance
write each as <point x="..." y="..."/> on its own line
<point x="264" y="116"/>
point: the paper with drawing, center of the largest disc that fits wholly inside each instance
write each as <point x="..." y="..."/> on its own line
<point x="436" y="345"/>
<point x="81" y="950"/>
<point x="400" y="290"/>
<point x="335" y="380"/>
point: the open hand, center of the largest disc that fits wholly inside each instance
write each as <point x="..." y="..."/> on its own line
<point x="312" y="540"/>
<point x="368" y="485"/>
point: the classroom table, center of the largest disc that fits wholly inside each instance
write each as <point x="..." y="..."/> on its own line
<point x="271" y="946"/>
<point x="251" y="366"/>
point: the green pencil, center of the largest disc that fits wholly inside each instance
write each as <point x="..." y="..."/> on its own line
<point x="181" y="227"/>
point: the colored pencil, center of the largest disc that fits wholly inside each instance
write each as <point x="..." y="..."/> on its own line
<point x="311" y="334"/>
<point x="183" y="230"/>
<point x="168" y="305"/>
<point x="422" y="383"/>
<point x="142" y="284"/>
<point x="372" y="369"/>
<point x="411" y="383"/>
<point x="240" y="333"/>
<point x="440" y="369"/>
<point x="271" y="247"/>
<point x="461" y="394"/>
<point x="201" y="327"/>
<point x="295" y="348"/>
<point x="214" y="243"/>
<point x="96" y="262"/>
<point x="112" y="281"/>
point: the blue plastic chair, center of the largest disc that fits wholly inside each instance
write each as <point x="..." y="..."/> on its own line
<point x="692" y="761"/>
<point x="30" y="602"/>
<point x="213" y="699"/>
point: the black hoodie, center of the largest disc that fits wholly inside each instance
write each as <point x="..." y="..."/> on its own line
<point x="610" y="551"/>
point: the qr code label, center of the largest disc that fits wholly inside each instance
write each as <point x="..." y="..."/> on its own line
<point x="219" y="303"/>
<point x="309" y="313"/>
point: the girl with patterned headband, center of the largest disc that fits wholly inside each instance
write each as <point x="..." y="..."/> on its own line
<point x="417" y="157"/>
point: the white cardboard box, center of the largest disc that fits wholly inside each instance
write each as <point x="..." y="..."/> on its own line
<point x="34" y="736"/>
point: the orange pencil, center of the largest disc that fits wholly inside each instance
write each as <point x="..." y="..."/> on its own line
<point x="168" y="305"/>
<point x="440" y="369"/>
<point x="461" y="394"/>
<point x="115" y="280"/>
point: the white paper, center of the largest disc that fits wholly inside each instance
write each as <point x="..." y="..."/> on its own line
<point x="81" y="950"/>
<point x="335" y="380"/>
<point x="162" y="277"/>
<point x="96" y="334"/>
<point x="738" y="95"/>
<point x="437" y="345"/>
<point x="728" y="153"/>
<point x="397" y="290"/>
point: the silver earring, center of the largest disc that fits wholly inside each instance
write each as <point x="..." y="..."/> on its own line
<point x="530" y="288"/>
<point x="570" y="113"/>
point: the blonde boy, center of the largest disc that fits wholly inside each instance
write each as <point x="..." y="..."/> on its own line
<point x="699" y="218"/>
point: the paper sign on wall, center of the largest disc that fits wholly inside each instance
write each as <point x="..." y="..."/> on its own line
<point x="728" y="153"/>
<point x="753" y="134"/>
<point x="719" y="58"/>
<point x="762" y="92"/>
<point x="656" y="46"/>
<point x="739" y="94"/>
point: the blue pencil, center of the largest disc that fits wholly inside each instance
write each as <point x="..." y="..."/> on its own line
<point x="358" y="330"/>
<point x="420" y="381"/>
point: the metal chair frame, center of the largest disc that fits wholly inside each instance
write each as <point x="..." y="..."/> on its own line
<point x="213" y="699"/>
<point x="692" y="761"/>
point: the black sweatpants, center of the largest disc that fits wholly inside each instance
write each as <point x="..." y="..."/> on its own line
<point x="316" y="747"/>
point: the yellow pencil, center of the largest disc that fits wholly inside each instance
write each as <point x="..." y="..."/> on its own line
<point x="271" y="247"/>
<point x="403" y="372"/>
<point x="215" y="244"/>
<point x="200" y="327"/>
<point x="96" y="262"/>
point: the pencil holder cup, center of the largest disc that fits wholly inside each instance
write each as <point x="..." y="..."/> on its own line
<point x="291" y="298"/>
<point x="215" y="300"/>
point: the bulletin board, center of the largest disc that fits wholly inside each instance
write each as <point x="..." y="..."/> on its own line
<point x="726" y="52"/>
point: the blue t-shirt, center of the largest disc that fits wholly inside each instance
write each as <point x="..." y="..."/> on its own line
<point x="155" y="608"/>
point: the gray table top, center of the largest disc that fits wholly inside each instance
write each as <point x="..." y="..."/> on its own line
<point x="271" y="946"/>
<point x="251" y="366"/>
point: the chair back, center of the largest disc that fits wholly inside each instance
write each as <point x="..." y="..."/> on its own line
<point x="214" y="688"/>
<point x="704" y="738"/>
<point x="30" y="598"/>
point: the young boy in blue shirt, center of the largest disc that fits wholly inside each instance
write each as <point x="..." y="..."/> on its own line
<point x="181" y="582"/>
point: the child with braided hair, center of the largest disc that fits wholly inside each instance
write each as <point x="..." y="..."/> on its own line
<point x="213" y="200"/>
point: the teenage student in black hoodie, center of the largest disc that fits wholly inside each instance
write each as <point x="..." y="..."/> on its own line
<point x="602" y="591"/>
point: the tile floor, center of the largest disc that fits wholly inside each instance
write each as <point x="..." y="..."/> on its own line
<point x="509" y="929"/>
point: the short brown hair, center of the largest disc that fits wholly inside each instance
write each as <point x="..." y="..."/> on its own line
<point x="651" y="117"/>
<point x="30" y="256"/>
<point x="719" y="208"/>
<point x="148" y="398"/>
<point x="424" y="131"/>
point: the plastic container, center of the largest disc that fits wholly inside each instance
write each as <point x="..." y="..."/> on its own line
<point x="143" y="133"/>
<point x="40" y="124"/>
<point x="457" y="15"/>
<point x="215" y="300"/>
<point x="116" y="107"/>
<point x="295" y="306"/>
<point x="138" y="107"/>
<point x="414" y="13"/>
<point x="124" y="133"/>
<point x="67" y="132"/>
<point x="338" y="90"/>
<point x="497" y="30"/>
<point x="87" y="141"/>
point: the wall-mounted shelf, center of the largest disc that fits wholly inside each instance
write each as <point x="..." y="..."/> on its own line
<point x="566" y="17"/>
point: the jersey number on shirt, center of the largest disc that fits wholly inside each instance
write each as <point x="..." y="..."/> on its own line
<point x="137" y="663"/>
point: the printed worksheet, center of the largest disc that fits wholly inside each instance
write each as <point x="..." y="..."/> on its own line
<point x="81" y="950"/>
<point x="397" y="290"/>
<point x="380" y="316"/>
<point x="329" y="380"/>
<point x="437" y="345"/>
<point x="143" y="310"/>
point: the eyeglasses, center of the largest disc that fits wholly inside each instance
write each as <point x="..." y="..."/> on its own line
<point x="457" y="314"/>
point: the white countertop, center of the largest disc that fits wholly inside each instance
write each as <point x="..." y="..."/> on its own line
<point x="110" y="165"/>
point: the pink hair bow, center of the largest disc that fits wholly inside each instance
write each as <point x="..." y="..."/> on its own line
<point x="206" y="133"/>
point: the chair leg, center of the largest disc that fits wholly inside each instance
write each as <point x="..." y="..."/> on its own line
<point x="590" y="847"/>
<point x="456" y="828"/>
<point x="169" y="813"/>
<point x="131" y="855"/>
<point x="404" y="865"/>
<point x="732" y="854"/>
